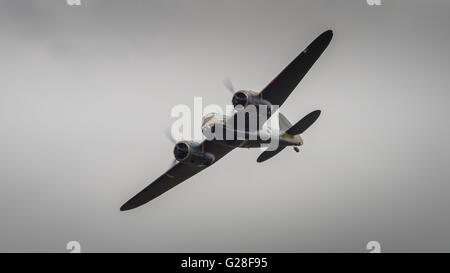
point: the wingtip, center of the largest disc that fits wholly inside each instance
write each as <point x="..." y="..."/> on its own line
<point x="328" y="34"/>
<point x="125" y="207"/>
<point x="315" y="114"/>
<point x="323" y="40"/>
<point x="261" y="158"/>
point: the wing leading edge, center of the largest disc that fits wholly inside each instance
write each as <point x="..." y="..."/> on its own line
<point x="277" y="91"/>
<point x="174" y="176"/>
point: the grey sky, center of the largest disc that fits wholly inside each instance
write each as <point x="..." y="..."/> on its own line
<point x="86" y="94"/>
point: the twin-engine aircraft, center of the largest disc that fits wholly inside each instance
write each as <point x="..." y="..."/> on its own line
<point x="192" y="157"/>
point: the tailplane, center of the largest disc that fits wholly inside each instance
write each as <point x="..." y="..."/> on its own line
<point x="268" y="154"/>
<point x="304" y="123"/>
<point x="286" y="127"/>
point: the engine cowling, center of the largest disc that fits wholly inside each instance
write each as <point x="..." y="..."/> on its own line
<point x="192" y="153"/>
<point x="246" y="98"/>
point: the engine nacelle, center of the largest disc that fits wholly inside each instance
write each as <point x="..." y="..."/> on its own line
<point x="246" y="98"/>
<point x="192" y="153"/>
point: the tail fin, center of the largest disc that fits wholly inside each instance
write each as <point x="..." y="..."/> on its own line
<point x="283" y="123"/>
<point x="304" y="123"/>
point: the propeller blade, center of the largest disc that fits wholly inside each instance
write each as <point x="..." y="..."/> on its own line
<point x="229" y="85"/>
<point x="304" y="123"/>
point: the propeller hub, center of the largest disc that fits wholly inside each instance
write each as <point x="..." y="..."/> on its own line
<point x="239" y="98"/>
<point x="181" y="151"/>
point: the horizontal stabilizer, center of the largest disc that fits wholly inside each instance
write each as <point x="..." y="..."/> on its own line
<point x="268" y="154"/>
<point x="304" y="123"/>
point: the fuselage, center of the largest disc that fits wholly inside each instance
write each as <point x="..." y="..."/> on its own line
<point x="220" y="128"/>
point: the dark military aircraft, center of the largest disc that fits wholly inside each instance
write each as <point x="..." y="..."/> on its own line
<point x="192" y="157"/>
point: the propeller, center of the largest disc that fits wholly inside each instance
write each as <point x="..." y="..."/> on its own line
<point x="229" y="85"/>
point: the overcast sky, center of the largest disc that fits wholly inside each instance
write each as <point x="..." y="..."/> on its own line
<point x="86" y="93"/>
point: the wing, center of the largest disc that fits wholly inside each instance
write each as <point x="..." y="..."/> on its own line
<point x="277" y="91"/>
<point x="174" y="176"/>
